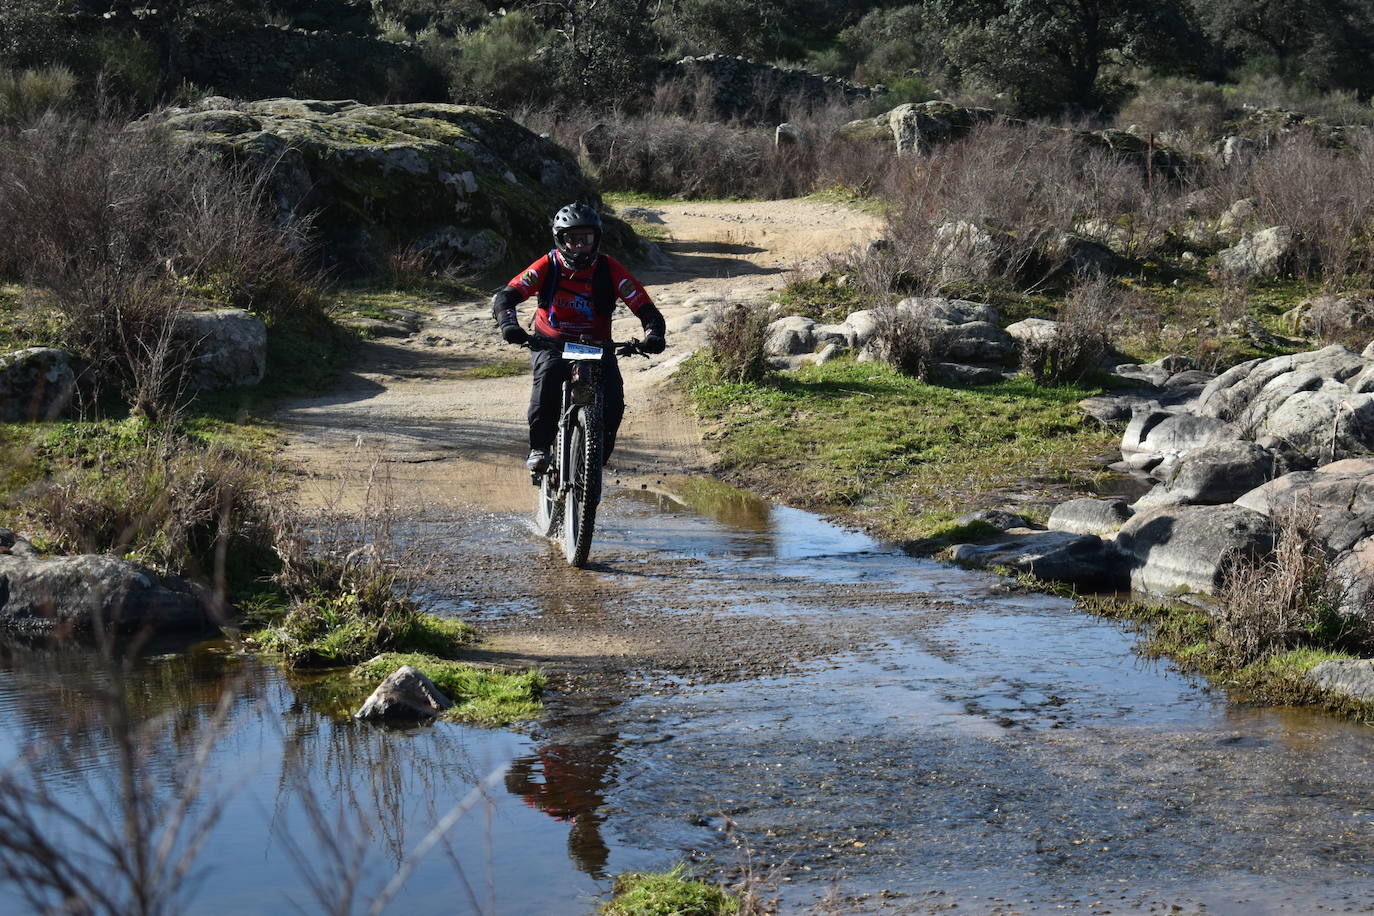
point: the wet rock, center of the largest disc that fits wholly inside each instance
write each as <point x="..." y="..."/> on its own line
<point x="228" y="347"/>
<point x="1083" y="560"/>
<point x="1179" y="552"/>
<point x="88" y="591"/>
<point x="35" y="384"/>
<point x="1087" y="515"/>
<point x="1353" y="678"/>
<point x="404" y="695"/>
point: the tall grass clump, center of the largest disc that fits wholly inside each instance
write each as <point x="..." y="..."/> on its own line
<point x="1291" y="598"/>
<point x="123" y="229"/>
<point x="26" y="95"/>
<point x="736" y="340"/>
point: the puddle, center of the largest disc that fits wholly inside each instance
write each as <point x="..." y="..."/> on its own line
<point x="951" y="747"/>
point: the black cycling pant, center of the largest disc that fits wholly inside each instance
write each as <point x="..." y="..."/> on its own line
<point x="550" y="371"/>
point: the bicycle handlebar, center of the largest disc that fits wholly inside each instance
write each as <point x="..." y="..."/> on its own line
<point x="631" y="347"/>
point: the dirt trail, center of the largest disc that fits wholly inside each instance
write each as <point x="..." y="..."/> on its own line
<point x="410" y="409"/>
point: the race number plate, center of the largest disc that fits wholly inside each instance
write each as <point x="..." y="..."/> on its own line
<point x="580" y="351"/>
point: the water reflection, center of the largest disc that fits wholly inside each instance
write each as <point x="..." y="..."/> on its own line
<point x="569" y="782"/>
<point x="292" y="790"/>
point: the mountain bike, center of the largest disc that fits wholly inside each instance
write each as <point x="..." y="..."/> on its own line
<point x="570" y="487"/>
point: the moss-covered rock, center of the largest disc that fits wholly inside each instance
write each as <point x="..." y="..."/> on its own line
<point x="465" y="185"/>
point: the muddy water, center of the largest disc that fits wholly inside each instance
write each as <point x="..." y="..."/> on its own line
<point x="759" y="692"/>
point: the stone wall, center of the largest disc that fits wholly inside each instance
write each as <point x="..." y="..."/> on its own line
<point x="761" y="93"/>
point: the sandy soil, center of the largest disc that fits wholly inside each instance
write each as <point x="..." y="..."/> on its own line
<point x="406" y="411"/>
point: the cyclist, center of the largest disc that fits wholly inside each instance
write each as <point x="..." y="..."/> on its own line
<point x="577" y="288"/>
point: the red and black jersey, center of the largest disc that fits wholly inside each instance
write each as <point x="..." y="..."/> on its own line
<point x="570" y="312"/>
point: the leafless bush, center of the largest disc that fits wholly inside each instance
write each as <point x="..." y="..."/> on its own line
<point x="735" y="340"/>
<point x="1081" y="339"/>
<point x="123" y="228"/>
<point x="1188" y="111"/>
<point x="911" y="343"/>
<point x="1325" y="195"/>
<point x="1288" y="599"/>
<point x="983" y="209"/>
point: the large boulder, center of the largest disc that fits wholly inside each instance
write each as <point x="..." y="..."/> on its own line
<point x="1230" y="394"/>
<point x="462" y="184"/>
<point x="35" y="384"/>
<point x="1260" y="255"/>
<point x="969" y="330"/>
<point x="404" y="695"/>
<point x="1181" y="552"/>
<point x="1339" y="496"/>
<point x="1213" y="474"/>
<point x="790" y="336"/>
<point x="227" y="347"/>
<point x="92" y="591"/>
<point x="1155" y="437"/>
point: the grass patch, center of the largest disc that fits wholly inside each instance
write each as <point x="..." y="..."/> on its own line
<point x="503" y="369"/>
<point x="823" y="298"/>
<point x="669" y="893"/>
<point x="890" y="451"/>
<point x="480" y="695"/>
<point x="364" y="617"/>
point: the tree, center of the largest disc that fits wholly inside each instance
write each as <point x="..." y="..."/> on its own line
<point x="1054" y="55"/>
<point x="1323" y="43"/>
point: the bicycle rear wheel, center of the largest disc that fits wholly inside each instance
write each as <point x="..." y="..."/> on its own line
<point x="583" y="492"/>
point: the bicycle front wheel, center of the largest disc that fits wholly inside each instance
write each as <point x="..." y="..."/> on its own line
<point x="583" y="491"/>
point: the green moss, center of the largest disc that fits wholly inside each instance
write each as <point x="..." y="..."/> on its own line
<point x="479" y="695"/>
<point x="355" y="623"/>
<point x="669" y="893"/>
<point x="503" y="369"/>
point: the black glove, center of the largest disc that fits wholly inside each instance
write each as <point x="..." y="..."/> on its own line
<point x="653" y="343"/>
<point x="514" y="334"/>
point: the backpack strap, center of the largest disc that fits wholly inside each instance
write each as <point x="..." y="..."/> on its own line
<point x="603" y="296"/>
<point x="551" y="281"/>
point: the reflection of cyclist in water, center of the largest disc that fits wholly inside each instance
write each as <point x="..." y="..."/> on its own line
<point x="573" y="789"/>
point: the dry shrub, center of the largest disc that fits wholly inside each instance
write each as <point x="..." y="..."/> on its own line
<point x="1082" y="337"/>
<point x="179" y="508"/>
<point x="124" y="228"/>
<point x="1289" y="598"/>
<point x="735" y="339"/>
<point x="986" y="209"/>
<point x="1188" y="112"/>
<point x="1325" y="195"/>
<point x="911" y="343"/>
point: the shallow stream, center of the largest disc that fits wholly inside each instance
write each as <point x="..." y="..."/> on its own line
<point x="897" y="736"/>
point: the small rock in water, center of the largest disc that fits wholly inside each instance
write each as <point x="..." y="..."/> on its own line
<point x="405" y="695"/>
